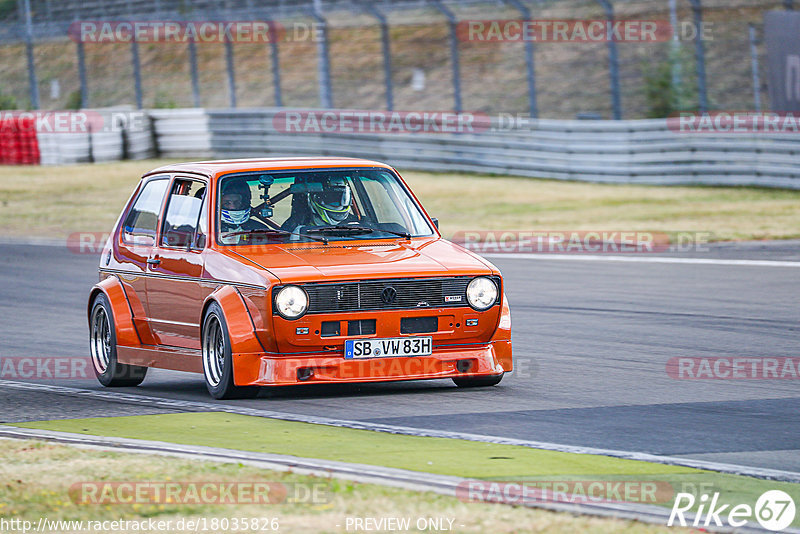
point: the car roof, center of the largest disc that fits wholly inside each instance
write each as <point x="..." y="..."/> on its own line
<point x="217" y="167"/>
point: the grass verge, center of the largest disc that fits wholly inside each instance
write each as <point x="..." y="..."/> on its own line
<point x="434" y="455"/>
<point x="56" y="201"/>
<point x="37" y="477"/>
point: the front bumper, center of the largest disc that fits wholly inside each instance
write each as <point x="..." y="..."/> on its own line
<point x="485" y="359"/>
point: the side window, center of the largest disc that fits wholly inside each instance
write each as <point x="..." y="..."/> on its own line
<point x="183" y="213"/>
<point x="141" y="222"/>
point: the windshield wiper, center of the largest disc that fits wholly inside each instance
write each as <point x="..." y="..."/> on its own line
<point x="274" y="231"/>
<point x="355" y="229"/>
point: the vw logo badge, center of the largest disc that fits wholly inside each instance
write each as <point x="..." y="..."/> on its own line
<point x="388" y="295"/>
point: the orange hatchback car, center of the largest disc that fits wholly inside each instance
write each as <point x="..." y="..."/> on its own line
<point x="273" y="272"/>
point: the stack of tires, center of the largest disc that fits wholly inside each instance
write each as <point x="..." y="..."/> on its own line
<point x="18" y="142"/>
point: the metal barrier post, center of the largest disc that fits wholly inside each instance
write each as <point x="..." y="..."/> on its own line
<point x="529" y="61"/>
<point x="324" y="62"/>
<point x="452" y="23"/>
<point x="754" y="67"/>
<point x="32" y="81"/>
<point x="276" y="64"/>
<point x="193" y="70"/>
<point x="700" y="55"/>
<point x="82" y="74"/>
<point x="231" y="72"/>
<point x="387" y="53"/>
<point x="137" y="73"/>
<point x="613" y="61"/>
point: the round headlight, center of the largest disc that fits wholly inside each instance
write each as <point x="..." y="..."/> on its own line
<point x="291" y="302"/>
<point x="482" y="293"/>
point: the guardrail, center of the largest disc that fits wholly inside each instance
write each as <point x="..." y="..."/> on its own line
<point x="638" y="151"/>
<point x="115" y="141"/>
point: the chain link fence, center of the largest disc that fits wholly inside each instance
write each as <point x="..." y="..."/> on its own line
<point x="337" y="53"/>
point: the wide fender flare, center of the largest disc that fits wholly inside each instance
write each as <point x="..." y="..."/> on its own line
<point x="502" y="337"/>
<point x="121" y="312"/>
<point x="241" y="329"/>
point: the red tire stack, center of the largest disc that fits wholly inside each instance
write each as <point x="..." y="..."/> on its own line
<point x="18" y="142"/>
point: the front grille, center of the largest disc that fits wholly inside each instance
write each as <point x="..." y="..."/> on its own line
<point x="388" y="294"/>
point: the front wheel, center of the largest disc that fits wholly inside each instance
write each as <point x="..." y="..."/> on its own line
<point x="103" y="348"/>
<point x="217" y="358"/>
<point x="478" y="381"/>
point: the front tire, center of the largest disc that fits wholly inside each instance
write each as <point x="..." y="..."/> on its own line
<point x="217" y="358"/>
<point x="103" y="349"/>
<point x="479" y="381"/>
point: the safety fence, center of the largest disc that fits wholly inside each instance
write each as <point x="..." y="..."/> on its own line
<point x="637" y="151"/>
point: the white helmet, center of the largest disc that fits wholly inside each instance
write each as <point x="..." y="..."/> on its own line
<point x="239" y="212"/>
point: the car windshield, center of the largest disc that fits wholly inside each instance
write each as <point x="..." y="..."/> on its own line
<point x="257" y="208"/>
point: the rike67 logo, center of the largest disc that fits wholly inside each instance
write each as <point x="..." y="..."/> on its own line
<point x="774" y="510"/>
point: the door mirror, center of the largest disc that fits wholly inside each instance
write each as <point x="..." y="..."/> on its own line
<point x="435" y="222"/>
<point x="199" y="241"/>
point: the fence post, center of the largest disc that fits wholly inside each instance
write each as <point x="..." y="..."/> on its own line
<point x="700" y="55"/>
<point x="33" y="83"/>
<point x="137" y="73"/>
<point x="323" y="60"/>
<point x="452" y="23"/>
<point x="193" y="71"/>
<point x="675" y="53"/>
<point x="231" y="72"/>
<point x="613" y="61"/>
<point x="276" y="64"/>
<point x="387" y="53"/>
<point x="529" y="61"/>
<point x="82" y="74"/>
<point x="754" y="67"/>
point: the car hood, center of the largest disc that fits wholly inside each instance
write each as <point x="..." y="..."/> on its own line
<point x="348" y="260"/>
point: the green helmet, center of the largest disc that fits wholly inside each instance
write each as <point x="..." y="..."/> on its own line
<point x="332" y="204"/>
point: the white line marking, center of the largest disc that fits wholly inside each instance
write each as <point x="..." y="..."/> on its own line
<point x="643" y="259"/>
<point x="161" y="402"/>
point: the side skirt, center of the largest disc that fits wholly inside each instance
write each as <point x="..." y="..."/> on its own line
<point x="174" y="358"/>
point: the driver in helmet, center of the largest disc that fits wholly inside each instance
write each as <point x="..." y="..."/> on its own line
<point x="332" y="205"/>
<point x="329" y="207"/>
<point x="235" y="212"/>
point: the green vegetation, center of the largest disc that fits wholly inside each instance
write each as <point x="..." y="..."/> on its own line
<point x="37" y="477"/>
<point x="56" y="201"/>
<point x="442" y="456"/>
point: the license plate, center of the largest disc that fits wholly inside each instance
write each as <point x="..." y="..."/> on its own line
<point x="388" y="348"/>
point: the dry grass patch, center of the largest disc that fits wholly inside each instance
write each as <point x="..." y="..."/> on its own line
<point x="37" y="476"/>
<point x="56" y="201"/>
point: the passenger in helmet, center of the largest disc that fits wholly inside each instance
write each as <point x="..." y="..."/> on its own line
<point x="235" y="211"/>
<point x="332" y="204"/>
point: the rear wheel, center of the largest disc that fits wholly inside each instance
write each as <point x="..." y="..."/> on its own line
<point x="478" y="381"/>
<point x="217" y="358"/>
<point x="103" y="349"/>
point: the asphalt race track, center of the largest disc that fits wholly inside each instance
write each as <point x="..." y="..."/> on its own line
<point x="591" y="342"/>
